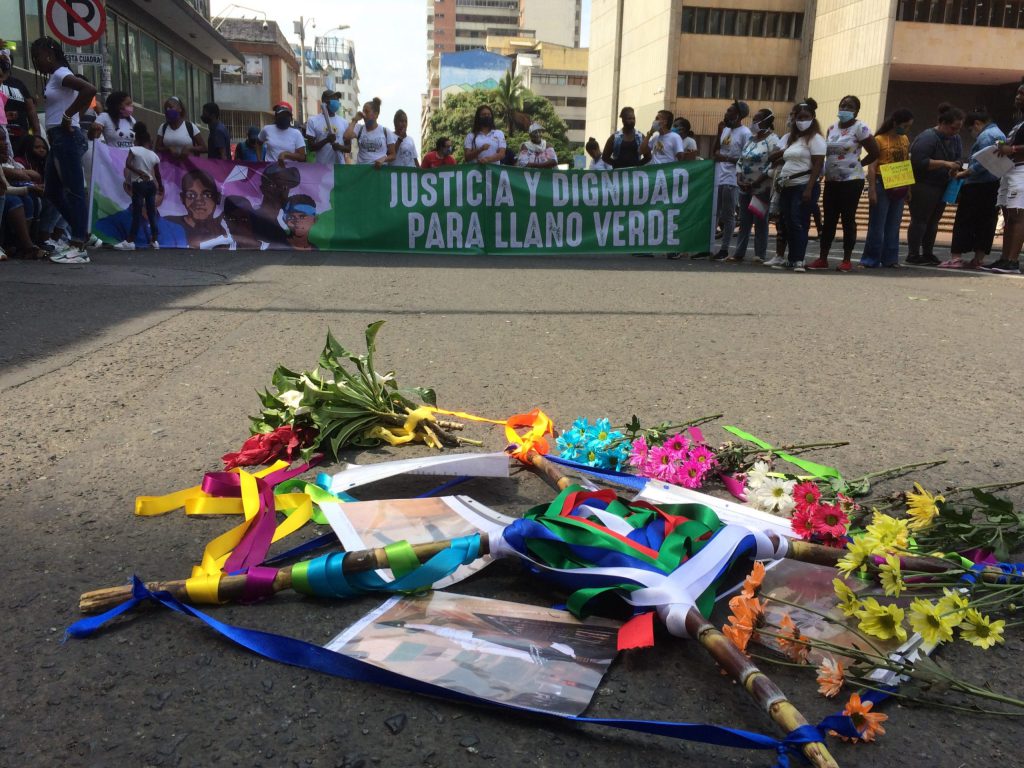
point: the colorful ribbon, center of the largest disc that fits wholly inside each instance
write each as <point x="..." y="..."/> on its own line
<point x="538" y="426"/>
<point x="298" y="653"/>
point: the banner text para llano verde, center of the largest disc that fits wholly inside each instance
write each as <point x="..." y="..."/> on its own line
<point x="530" y="210"/>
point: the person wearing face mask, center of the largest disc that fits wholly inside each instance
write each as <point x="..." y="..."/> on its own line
<point x="846" y="139"/>
<point x="324" y="131"/>
<point x="975" y="225"/>
<point x="20" y="106"/>
<point x="116" y="125"/>
<point x="753" y="178"/>
<point x="803" y="158"/>
<point x="250" y="150"/>
<point x="375" y="144"/>
<point x="731" y="138"/>
<point x="220" y="139"/>
<point x="485" y="143"/>
<point x="681" y="126"/>
<point x="622" y="149"/>
<point x="661" y="144"/>
<point x="885" y="215"/>
<point x="936" y="155"/>
<point x="281" y="140"/>
<point x="537" y="153"/>
<point x="406" y="155"/>
<point x="178" y="135"/>
<point x="442" y="154"/>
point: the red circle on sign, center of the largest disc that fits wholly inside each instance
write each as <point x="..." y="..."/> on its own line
<point x="93" y="30"/>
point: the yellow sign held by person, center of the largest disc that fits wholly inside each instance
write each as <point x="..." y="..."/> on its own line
<point x="896" y="175"/>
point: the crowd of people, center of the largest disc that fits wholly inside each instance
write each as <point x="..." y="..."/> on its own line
<point x="762" y="175"/>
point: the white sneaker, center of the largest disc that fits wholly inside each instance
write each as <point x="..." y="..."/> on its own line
<point x="774" y="261"/>
<point x="93" y="242"/>
<point x="70" y="256"/>
<point x="799" y="267"/>
<point x="155" y="245"/>
<point x="124" y="245"/>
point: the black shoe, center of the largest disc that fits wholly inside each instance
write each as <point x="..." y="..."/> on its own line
<point x="701" y="255"/>
<point x="916" y="260"/>
<point x="720" y="256"/>
<point x="673" y="255"/>
<point x="1006" y="267"/>
<point x="931" y="260"/>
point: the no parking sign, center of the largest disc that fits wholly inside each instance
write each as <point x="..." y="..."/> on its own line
<point x="76" y="22"/>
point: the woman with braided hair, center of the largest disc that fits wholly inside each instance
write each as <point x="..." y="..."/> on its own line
<point x="64" y="183"/>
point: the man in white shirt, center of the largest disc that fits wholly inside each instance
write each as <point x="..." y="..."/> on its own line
<point x="324" y="131"/>
<point x="728" y="146"/>
<point x="661" y="144"/>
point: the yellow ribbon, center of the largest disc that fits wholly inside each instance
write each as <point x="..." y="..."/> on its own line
<point x="537" y="423"/>
<point x="407" y="432"/>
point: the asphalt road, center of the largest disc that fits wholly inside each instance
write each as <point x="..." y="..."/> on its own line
<point x="134" y="374"/>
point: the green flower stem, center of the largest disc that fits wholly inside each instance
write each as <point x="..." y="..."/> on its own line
<point x="830" y="619"/>
<point x="896" y="471"/>
<point x="801" y="448"/>
<point x="866" y="684"/>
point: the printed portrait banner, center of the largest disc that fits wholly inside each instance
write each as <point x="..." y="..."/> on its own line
<point x="210" y="204"/>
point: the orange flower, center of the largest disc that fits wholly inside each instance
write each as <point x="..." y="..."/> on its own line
<point x="791" y="641"/>
<point x="739" y="635"/>
<point x="830" y="677"/>
<point x="752" y="584"/>
<point x="868" y="723"/>
<point x="746" y="611"/>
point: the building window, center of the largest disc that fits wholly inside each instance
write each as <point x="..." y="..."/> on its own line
<point x="147" y="65"/>
<point x="723" y="86"/>
<point x="741" y="22"/>
<point x="166" y="74"/>
<point x="1008" y="14"/>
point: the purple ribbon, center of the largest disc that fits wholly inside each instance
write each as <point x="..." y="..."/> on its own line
<point x="259" y="584"/>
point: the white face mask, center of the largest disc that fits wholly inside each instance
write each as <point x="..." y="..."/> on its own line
<point x="803" y="125"/>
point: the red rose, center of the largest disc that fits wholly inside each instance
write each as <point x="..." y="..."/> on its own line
<point x="283" y="443"/>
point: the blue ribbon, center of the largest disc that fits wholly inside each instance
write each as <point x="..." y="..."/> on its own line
<point x="298" y="653"/>
<point x="1012" y="572"/>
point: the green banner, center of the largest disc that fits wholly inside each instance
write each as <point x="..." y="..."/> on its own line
<point x="499" y="209"/>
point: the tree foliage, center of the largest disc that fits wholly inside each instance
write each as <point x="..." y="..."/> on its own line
<point x="510" y="97"/>
<point x="455" y="119"/>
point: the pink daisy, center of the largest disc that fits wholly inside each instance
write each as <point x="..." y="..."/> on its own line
<point x="691" y="475"/>
<point x="639" y="453"/>
<point x="829" y="521"/>
<point x="703" y="456"/>
<point x="677" y="443"/>
<point x="662" y="464"/>
<point x="807" y="495"/>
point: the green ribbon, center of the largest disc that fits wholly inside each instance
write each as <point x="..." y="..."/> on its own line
<point x="315" y="492"/>
<point x="820" y="471"/>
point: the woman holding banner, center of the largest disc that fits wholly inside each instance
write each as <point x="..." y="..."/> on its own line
<point x="375" y="143"/>
<point x="882" y="246"/>
<point x="485" y="143"/>
<point x="66" y="97"/>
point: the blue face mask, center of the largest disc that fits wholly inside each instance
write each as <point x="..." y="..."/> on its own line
<point x="845" y="115"/>
<point x="678" y="131"/>
<point x="334" y="105"/>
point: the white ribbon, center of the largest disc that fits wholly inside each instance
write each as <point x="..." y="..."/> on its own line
<point x="675" y="594"/>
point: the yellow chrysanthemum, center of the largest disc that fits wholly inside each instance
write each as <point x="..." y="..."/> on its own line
<point x="980" y="630"/>
<point x="891" y="577"/>
<point x="882" y="621"/>
<point x="889" y="533"/>
<point x="848" y="602"/>
<point x="927" y="620"/>
<point x="922" y="507"/>
<point x="954" y="604"/>
<point x="857" y="553"/>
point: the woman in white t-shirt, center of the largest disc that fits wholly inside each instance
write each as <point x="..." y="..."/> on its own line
<point x="597" y="163"/>
<point x="803" y="159"/>
<point x="405" y="148"/>
<point x="682" y="126"/>
<point x="179" y="136"/>
<point x="661" y="144"/>
<point x="64" y="183"/>
<point x="281" y="141"/>
<point x="844" y="180"/>
<point x="485" y="143"/>
<point x="376" y="143"/>
<point x="117" y="124"/>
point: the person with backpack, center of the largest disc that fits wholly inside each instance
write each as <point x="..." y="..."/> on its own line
<point x="375" y="143"/>
<point x="622" y="150"/>
<point x="281" y="140"/>
<point x="142" y="173"/>
<point x="178" y="135"/>
<point x="485" y="143"/>
<point x="406" y="155"/>
<point x="250" y="150"/>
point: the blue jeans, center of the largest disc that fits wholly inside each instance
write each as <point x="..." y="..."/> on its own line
<point x="760" y="225"/>
<point x="65" y="179"/>
<point x="143" y="194"/>
<point x="882" y="245"/>
<point x="797" y="215"/>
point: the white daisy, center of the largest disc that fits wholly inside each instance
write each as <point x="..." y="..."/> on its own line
<point x="757" y="475"/>
<point x="776" y="495"/>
